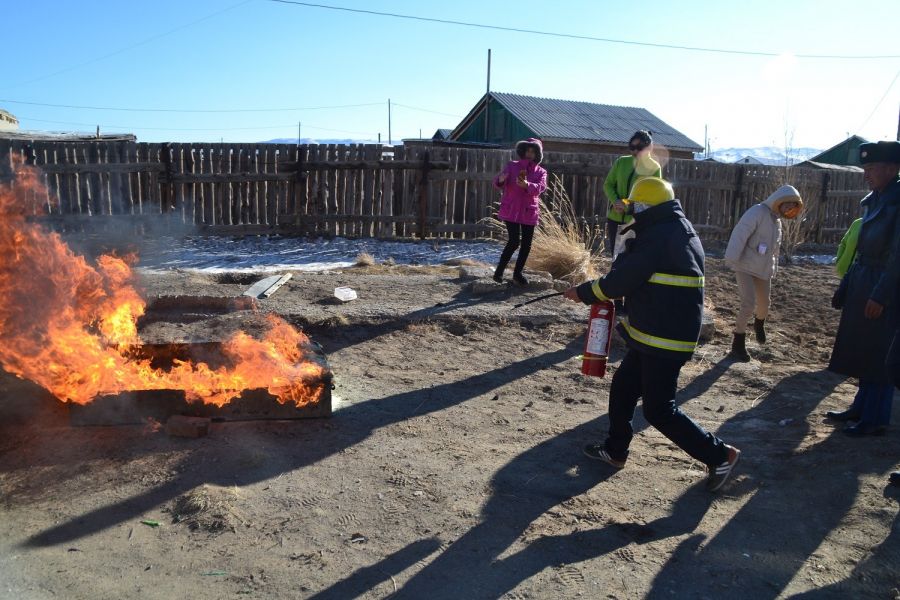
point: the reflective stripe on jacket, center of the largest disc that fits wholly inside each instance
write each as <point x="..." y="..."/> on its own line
<point x="660" y="275"/>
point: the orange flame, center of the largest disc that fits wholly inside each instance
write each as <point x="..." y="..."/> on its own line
<point x="68" y="325"/>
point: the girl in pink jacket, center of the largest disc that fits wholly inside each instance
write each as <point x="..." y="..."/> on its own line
<point x="522" y="182"/>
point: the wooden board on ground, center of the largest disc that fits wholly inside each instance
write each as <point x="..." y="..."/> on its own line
<point x="267" y="286"/>
<point x="274" y="287"/>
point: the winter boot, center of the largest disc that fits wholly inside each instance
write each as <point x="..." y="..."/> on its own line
<point x="759" y="328"/>
<point x="739" y="348"/>
<point x="498" y="273"/>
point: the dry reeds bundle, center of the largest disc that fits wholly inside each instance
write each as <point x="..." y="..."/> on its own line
<point x="563" y="245"/>
<point x="364" y="259"/>
<point x="208" y="508"/>
<point x="465" y="262"/>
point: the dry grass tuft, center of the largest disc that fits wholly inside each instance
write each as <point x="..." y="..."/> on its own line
<point x="563" y="245"/>
<point x="208" y="508"/>
<point x="422" y="327"/>
<point x="794" y="233"/>
<point x="465" y="262"/>
<point x="365" y="260"/>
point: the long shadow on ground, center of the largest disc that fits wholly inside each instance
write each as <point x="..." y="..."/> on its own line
<point x="875" y="575"/>
<point x="523" y="490"/>
<point x="778" y="528"/>
<point x="320" y="440"/>
<point x="461" y="300"/>
<point x="801" y="496"/>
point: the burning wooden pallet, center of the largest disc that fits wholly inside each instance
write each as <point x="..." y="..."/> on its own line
<point x="77" y="326"/>
<point x="305" y="399"/>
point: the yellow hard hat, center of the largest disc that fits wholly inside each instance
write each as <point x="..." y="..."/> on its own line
<point x="651" y="191"/>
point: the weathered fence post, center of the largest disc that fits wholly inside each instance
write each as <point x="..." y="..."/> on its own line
<point x="298" y="184"/>
<point x="823" y="198"/>
<point x="165" y="190"/>
<point x="423" y="196"/>
<point x="738" y="199"/>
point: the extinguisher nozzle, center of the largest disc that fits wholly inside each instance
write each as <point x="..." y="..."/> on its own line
<point x="539" y="298"/>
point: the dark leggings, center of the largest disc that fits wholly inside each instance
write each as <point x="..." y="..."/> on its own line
<point x="612" y="229"/>
<point x="517" y="233"/>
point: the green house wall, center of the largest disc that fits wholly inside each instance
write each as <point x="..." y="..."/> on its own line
<point x="505" y="128"/>
<point x="845" y="154"/>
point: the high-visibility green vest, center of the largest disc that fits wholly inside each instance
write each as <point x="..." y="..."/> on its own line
<point x="847" y="249"/>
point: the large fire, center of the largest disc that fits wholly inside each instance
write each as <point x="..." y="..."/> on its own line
<point x="68" y="325"/>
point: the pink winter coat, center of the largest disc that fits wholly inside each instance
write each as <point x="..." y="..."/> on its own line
<point x="519" y="205"/>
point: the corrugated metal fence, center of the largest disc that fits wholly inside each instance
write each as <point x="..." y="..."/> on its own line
<point x="373" y="190"/>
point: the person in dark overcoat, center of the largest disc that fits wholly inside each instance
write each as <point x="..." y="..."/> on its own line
<point x="868" y="296"/>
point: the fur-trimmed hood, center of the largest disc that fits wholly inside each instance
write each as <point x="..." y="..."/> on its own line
<point x="533" y="142"/>
<point x="786" y="193"/>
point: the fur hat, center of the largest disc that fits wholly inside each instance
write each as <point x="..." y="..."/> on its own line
<point x="873" y="152"/>
<point x="534" y="143"/>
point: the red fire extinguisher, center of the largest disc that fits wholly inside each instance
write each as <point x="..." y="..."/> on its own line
<point x="599" y="337"/>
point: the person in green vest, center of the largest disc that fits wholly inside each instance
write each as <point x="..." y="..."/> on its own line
<point x="847" y="249"/>
<point x="623" y="175"/>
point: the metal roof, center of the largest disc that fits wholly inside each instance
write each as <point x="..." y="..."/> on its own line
<point x="811" y="164"/>
<point x="571" y="120"/>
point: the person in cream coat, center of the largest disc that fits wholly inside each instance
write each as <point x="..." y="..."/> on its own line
<point x="753" y="255"/>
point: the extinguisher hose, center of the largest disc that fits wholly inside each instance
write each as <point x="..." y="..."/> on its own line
<point x="539" y="298"/>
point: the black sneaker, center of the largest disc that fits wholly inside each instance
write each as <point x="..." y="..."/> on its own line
<point x="862" y="429"/>
<point x="520" y="279"/>
<point x="842" y="416"/>
<point x="720" y="474"/>
<point x="598" y="452"/>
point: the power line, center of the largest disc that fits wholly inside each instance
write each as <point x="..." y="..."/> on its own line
<point x="125" y="127"/>
<point x="435" y="112"/>
<point x="574" y="36"/>
<point x="886" y="92"/>
<point x="191" y="110"/>
<point x="131" y="47"/>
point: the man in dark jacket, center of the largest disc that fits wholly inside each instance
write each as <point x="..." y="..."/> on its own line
<point x="868" y="297"/>
<point x="660" y="275"/>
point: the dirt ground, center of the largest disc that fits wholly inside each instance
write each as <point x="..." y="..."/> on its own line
<point x="452" y="466"/>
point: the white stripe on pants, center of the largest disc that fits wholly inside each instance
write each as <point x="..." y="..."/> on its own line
<point x="755" y="293"/>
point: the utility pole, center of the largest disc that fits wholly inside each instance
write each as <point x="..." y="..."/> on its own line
<point x="487" y="101"/>
<point x="390" y="139"/>
<point x="299" y="131"/>
<point x="706" y="139"/>
<point x="898" y="125"/>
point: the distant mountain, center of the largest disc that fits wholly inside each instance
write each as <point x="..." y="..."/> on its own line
<point x="767" y="155"/>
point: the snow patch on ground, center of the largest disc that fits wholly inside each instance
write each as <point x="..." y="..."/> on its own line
<point x="264" y="254"/>
<point x="274" y="253"/>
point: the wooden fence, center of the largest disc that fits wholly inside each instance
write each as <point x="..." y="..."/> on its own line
<point x="373" y="190"/>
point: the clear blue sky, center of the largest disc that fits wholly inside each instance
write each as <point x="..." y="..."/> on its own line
<point x="259" y="54"/>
